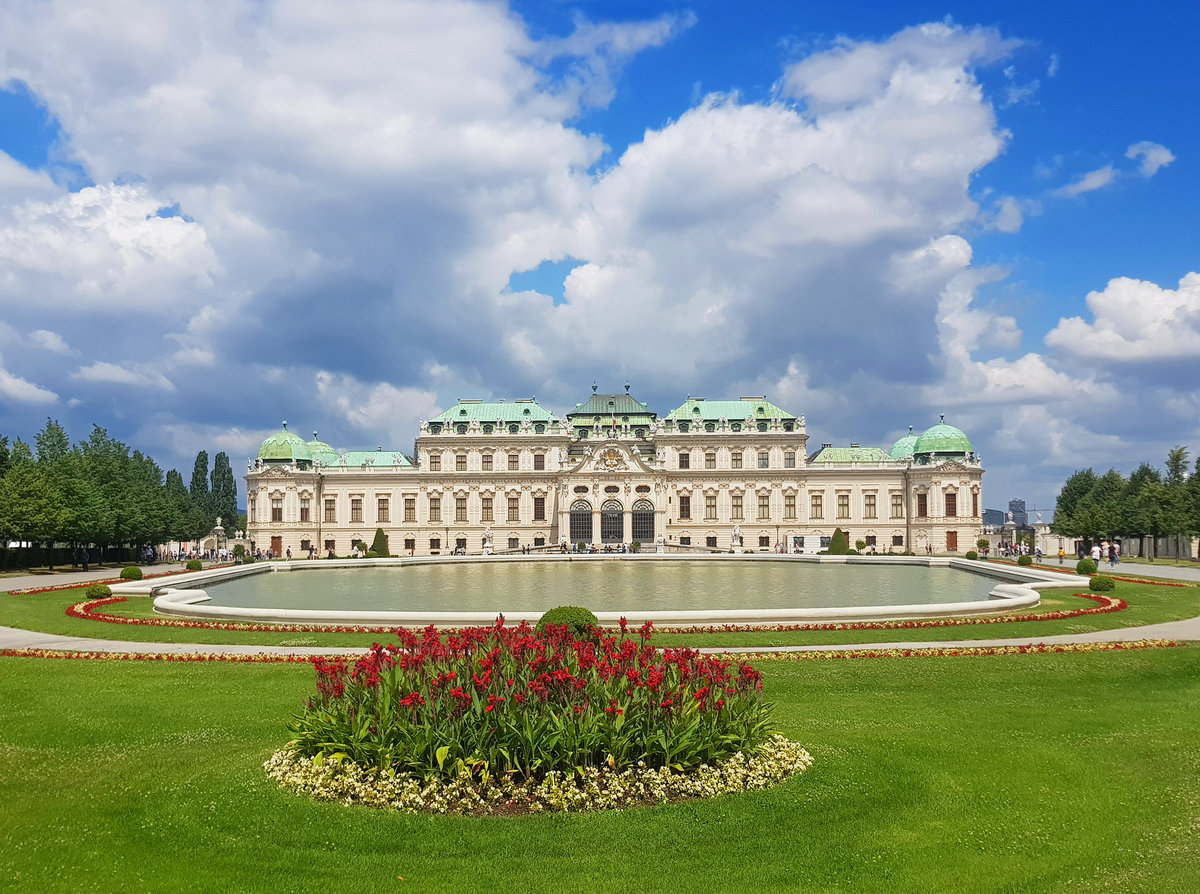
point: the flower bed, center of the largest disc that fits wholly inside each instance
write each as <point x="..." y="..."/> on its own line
<point x="31" y="591"/>
<point x="189" y="657"/>
<point x="503" y="701"/>
<point x="967" y="651"/>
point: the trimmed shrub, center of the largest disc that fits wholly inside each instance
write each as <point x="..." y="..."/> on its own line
<point x="1101" y="583"/>
<point x="379" y="546"/>
<point x="636" y="547"/>
<point x="98" y="591"/>
<point x="1025" y="560"/>
<point x="971" y="554"/>
<point x="194" y="565"/>
<point x="860" y="545"/>
<point x="239" y="550"/>
<point x="131" y="572"/>
<point x="839" y="543"/>
<point x="247" y="559"/>
<point x="1085" y="566"/>
<point x="578" y="620"/>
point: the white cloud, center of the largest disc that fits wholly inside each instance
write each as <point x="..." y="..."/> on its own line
<point x="1153" y="157"/>
<point x="136" y="375"/>
<point x="49" y="341"/>
<point x="379" y="410"/>
<point x="17" y="389"/>
<point x="1135" y="321"/>
<point x="1089" y="182"/>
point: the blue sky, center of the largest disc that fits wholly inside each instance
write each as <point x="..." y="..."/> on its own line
<point x="214" y="216"/>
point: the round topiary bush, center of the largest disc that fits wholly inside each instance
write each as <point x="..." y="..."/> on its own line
<point x="194" y="565"/>
<point x="131" y="572"/>
<point x="247" y="559"/>
<point x="1025" y="560"/>
<point x="971" y="554"/>
<point x="98" y="591"/>
<point x="371" y="554"/>
<point x="1101" y="583"/>
<point x="1085" y="566"/>
<point x="578" y="620"/>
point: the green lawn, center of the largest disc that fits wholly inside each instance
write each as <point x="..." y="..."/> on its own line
<point x="1148" y="604"/>
<point x="1027" y="773"/>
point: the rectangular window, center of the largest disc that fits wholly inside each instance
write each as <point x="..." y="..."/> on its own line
<point x="539" y="508"/>
<point x="685" y="541"/>
<point x="410" y="544"/>
<point x="869" y="506"/>
<point x="897" y="540"/>
<point x="897" y="506"/>
<point x="764" y="541"/>
<point x="329" y="545"/>
<point x="843" y="510"/>
<point x="685" y="460"/>
<point x="710" y="540"/>
<point x="514" y="462"/>
<point x="922" y="505"/>
<point x="789" y="505"/>
<point x="460" y="509"/>
<point x="975" y="504"/>
<point x="710" y="460"/>
<point x="764" y="507"/>
<point x="685" y="507"/>
<point x="435" y="511"/>
<point x="460" y="544"/>
<point x="514" y="543"/>
<point x="764" y="459"/>
<point x="514" y="509"/>
<point x="276" y="509"/>
<point x="951" y="505"/>
<point x="435" y="462"/>
<point x="304" y="511"/>
<point x="710" y="507"/>
<point x="253" y="510"/>
<point x="487" y="508"/>
<point x="385" y="510"/>
<point x="539" y="541"/>
<point x="330" y="511"/>
<point x="870" y="538"/>
<point x="410" y="509"/>
<point x="487" y="462"/>
<point x="816" y="505"/>
<point x="735" y="510"/>
<point x="356" y="510"/>
<point x="789" y="459"/>
<point x="435" y="544"/>
<point x="736" y="459"/>
<point x="460" y="462"/>
<point x="539" y="462"/>
<point x="825" y="541"/>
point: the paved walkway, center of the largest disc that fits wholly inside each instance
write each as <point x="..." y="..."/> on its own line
<point x="12" y="638"/>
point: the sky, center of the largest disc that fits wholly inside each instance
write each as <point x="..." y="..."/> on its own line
<point x="215" y="216"/>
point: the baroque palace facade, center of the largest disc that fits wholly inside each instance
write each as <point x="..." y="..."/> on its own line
<point x="710" y="474"/>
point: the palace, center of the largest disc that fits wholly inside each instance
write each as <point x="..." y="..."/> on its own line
<point x="708" y="475"/>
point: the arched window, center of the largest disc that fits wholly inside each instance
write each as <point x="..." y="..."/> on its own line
<point x="642" y="522"/>
<point x="581" y="522"/>
<point x="612" y="521"/>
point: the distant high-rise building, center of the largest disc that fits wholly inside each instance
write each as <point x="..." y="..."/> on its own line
<point x="993" y="518"/>
<point x="1019" y="516"/>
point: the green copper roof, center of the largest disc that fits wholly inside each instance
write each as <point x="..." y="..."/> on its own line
<point x="610" y="405"/>
<point x="903" y="448"/>
<point x="379" y="459"/>
<point x="848" y="455"/>
<point x="942" y="438"/>
<point x="321" y="452"/>
<point x="495" y="411"/>
<point x="697" y="408"/>
<point x="283" y="446"/>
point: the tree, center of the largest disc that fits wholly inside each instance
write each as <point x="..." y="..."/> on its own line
<point x="29" y="507"/>
<point x="198" y="490"/>
<point x="1098" y="513"/>
<point x="6" y="457"/>
<point x="1075" y="489"/>
<point x="223" y="496"/>
<point x="839" y="543"/>
<point x="52" y="442"/>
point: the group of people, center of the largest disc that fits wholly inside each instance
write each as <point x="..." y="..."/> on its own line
<point x="1105" y="550"/>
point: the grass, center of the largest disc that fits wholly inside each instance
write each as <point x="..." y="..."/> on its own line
<point x="1033" y="773"/>
<point x="1148" y="604"/>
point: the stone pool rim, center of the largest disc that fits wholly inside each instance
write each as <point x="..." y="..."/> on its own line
<point x="184" y="596"/>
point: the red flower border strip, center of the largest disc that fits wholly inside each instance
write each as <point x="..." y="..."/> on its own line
<point x="963" y="651"/>
<point x="31" y="591"/>
<point x="816" y="655"/>
<point x="187" y="657"/>
<point x="90" y="611"/>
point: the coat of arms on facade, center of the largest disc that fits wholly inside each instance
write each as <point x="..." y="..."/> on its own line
<point x="611" y="460"/>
